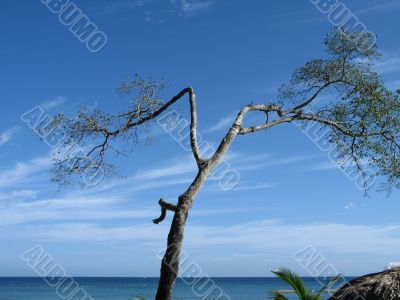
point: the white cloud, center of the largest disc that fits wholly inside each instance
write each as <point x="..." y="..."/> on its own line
<point x="48" y="213"/>
<point x="191" y="7"/>
<point x="92" y="232"/>
<point x="324" y="166"/>
<point x="272" y="237"/>
<point x="255" y="186"/>
<point x="222" y="124"/>
<point x="22" y="194"/>
<point x="122" y="6"/>
<point x="57" y="101"/>
<point x="268" y="161"/>
<point x="91" y="209"/>
<point x="182" y="166"/>
<point x="350" y="206"/>
<point x="370" y="8"/>
<point x="22" y="172"/>
<point x="183" y="170"/>
<point x="6" y="136"/>
<point x="244" y="249"/>
<point x="242" y="187"/>
<point x="388" y="64"/>
<point x="338" y="165"/>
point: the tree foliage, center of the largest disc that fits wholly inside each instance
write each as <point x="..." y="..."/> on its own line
<point x="362" y="114"/>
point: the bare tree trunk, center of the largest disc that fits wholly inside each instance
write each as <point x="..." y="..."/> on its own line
<point x="171" y="259"/>
<point x="170" y="263"/>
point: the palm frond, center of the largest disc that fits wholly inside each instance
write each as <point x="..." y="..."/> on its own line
<point x="331" y="282"/>
<point x="278" y="296"/>
<point x="295" y="282"/>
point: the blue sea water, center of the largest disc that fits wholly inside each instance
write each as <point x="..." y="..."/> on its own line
<point x="129" y="288"/>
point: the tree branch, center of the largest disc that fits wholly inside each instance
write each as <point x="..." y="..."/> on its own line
<point x="129" y="124"/>
<point x="237" y="126"/>
<point x="336" y="125"/>
<point x="318" y="92"/>
<point x="266" y="109"/>
<point x="164" y="207"/>
<point x="193" y="127"/>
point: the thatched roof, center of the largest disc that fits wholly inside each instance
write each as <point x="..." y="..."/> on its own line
<point x="378" y="286"/>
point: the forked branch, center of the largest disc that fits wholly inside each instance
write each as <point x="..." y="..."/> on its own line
<point x="131" y="122"/>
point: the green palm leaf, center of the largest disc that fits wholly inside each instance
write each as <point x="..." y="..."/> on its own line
<point x="295" y="282"/>
<point x="278" y="296"/>
<point x="329" y="284"/>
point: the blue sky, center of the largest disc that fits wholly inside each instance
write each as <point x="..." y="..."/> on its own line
<point x="232" y="52"/>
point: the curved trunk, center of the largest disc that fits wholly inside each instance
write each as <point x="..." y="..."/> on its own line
<point x="171" y="259"/>
<point x="170" y="263"/>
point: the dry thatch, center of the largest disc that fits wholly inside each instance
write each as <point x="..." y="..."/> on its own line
<point x="378" y="286"/>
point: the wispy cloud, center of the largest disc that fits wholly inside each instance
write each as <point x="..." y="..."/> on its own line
<point x="243" y="249"/>
<point x="56" y="215"/>
<point x="221" y="124"/>
<point x="243" y="186"/>
<point x="378" y="7"/>
<point x="22" y="172"/>
<point x="255" y="186"/>
<point x="331" y="165"/>
<point x="82" y="231"/>
<point x="388" y="64"/>
<point x="155" y="184"/>
<point x="6" y="136"/>
<point x="18" y="195"/>
<point x="57" y="101"/>
<point x="251" y="233"/>
<point x="262" y="236"/>
<point x="183" y="166"/>
<point x="268" y="161"/>
<point x="192" y="7"/>
<point x="323" y="166"/>
<point x="121" y="6"/>
<point x="24" y="208"/>
<point x="350" y="206"/>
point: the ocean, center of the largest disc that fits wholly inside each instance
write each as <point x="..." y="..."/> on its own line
<point x="130" y="288"/>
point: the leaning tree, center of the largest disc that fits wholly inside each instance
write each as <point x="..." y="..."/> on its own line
<point x="363" y="117"/>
